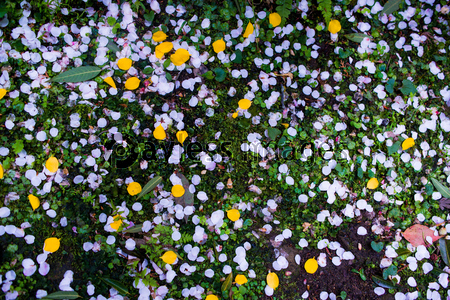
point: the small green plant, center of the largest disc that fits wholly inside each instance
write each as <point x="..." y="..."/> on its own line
<point x="361" y="273"/>
<point x="325" y="7"/>
<point x="284" y="8"/>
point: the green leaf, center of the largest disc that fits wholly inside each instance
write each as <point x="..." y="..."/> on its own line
<point x="360" y="273"/>
<point x="181" y="28"/>
<point x="244" y="123"/>
<point x="78" y="74"/>
<point x="408" y="87"/>
<point x="3" y="10"/>
<point x="429" y="189"/>
<point x="63" y="295"/>
<point x="112" y="46"/>
<point x="445" y="192"/>
<point x="390" y="86"/>
<point x="6" y="163"/>
<point x="394" y="213"/>
<point x="444" y="248"/>
<point x="394" y="148"/>
<point x="168" y="76"/>
<point x="273" y="133"/>
<point x="325" y="6"/>
<point x="436" y="272"/>
<point x="440" y="58"/>
<point x="220" y="74"/>
<point x="117" y="285"/>
<point x="248" y="222"/>
<point x="377" y="246"/>
<point x="150" y="186"/>
<point x="166" y="63"/>
<point x="226" y="285"/>
<point x="18" y="146"/>
<point x="345" y="54"/>
<point x="238" y="58"/>
<point x="369" y="96"/>
<point x="356" y="37"/>
<point x="402" y="251"/>
<point x="135" y="229"/>
<point x="148" y="70"/>
<point x="390" y="7"/>
<point x="242" y="290"/>
<point x="383" y="283"/>
<point x="391" y="270"/>
<point x="360" y="173"/>
<point x="286" y="152"/>
<point x="208" y="75"/>
<point x="115" y="28"/>
<point x="284" y="8"/>
<point x="111" y="21"/>
<point x="149" y="17"/>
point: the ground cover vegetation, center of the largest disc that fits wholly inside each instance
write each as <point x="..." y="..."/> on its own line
<point x="224" y="149"/>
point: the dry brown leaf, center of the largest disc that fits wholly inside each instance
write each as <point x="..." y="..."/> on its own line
<point x="229" y="183"/>
<point x="284" y="75"/>
<point x="305" y="226"/>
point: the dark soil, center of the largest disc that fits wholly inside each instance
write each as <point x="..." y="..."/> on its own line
<point x="58" y="267"/>
<point x="331" y="279"/>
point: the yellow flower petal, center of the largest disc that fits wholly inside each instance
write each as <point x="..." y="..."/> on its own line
<point x="180" y="57"/>
<point x="124" y="63"/>
<point x="2" y="93"/>
<point x="51" y="244"/>
<point x="240" y="279"/>
<point x="334" y="26"/>
<point x="159" y="36"/>
<point x="178" y="190"/>
<point x="211" y="297"/>
<point x="169" y="257"/>
<point x="372" y="183"/>
<point x="233" y="214"/>
<point x="132" y="83"/>
<point x="244" y="104"/>
<point x="272" y="280"/>
<point x="275" y="19"/>
<point x="34" y="201"/>
<point x="52" y="164"/>
<point x="408" y="143"/>
<point x="134" y="188"/>
<point x="311" y="266"/>
<point x="159" y="133"/>
<point x="110" y="81"/>
<point x="249" y="29"/>
<point x="181" y="136"/>
<point x="159" y="54"/>
<point x="116" y="224"/>
<point x="162" y="49"/>
<point x="219" y="46"/>
<point x="235" y="115"/>
<point x="1" y="171"/>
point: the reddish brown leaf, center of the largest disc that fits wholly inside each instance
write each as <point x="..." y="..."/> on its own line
<point x="444" y="203"/>
<point x="417" y="234"/>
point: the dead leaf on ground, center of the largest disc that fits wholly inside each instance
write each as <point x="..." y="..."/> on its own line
<point x="229" y="183"/>
<point x="444" y="203"/>
<point x="417" y="235"/>
<point x="284" y="75"/>
<point x="255" y="189"/>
